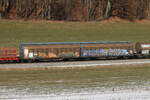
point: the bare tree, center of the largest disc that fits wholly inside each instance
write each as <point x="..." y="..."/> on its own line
<point x="108" y="9"/>
<point x="75" y="10"/>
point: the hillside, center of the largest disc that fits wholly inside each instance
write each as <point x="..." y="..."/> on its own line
<point x="14" y="32"/>
<point x="75" y="10"/>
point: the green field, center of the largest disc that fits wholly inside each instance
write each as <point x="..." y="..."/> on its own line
<point x="14" y="32"/>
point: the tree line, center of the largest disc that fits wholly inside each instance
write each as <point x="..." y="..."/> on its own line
<point x="74" y="10"/>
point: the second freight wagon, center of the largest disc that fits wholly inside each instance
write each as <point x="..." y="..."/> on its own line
<point x="76" y="50"/>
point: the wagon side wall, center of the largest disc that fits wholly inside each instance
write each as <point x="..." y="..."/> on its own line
<point x="106" y="50"/>
<point x="8" y="52"/>
<point x="49" y="51"/>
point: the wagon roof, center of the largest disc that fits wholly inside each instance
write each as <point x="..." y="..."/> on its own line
<point x="77" y="43"/>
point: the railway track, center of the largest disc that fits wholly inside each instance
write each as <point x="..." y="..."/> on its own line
<point x="77" y="64"/>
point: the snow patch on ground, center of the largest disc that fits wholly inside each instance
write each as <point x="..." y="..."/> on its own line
<point x="108" y="95"/>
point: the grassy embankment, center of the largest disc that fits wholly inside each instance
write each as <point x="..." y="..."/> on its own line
<point x="14" y="32"/>
<point x="78" y="76"/>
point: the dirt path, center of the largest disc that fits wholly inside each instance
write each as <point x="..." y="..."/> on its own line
<point x="76" y="64"/>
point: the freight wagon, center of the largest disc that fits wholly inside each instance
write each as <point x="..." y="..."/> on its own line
<point x="143" y="50"/>
<point x="76" y="50"/>
<point x="8" y="54"/>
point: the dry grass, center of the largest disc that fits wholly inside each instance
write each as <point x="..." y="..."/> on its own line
<point x="80" y="76"/>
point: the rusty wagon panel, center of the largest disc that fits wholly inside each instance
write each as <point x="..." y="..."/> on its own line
<point x="8" y="52"/>
<point x="49" y="51"/>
